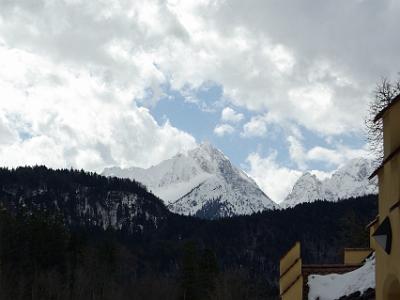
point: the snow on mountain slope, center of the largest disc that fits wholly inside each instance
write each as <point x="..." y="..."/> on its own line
<point x="202" y="182"/>
<point x="170" y="180"/>
<point x="351" y="180"/>
<point x="307" y="189"/>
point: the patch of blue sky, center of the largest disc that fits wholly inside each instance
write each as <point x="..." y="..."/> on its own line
<point x="332" y="142"/>
<point x="351" y="139"/>
<point x="188" y="112"/>
<point x="24" y="135"/>
<point x="198" y="112"/>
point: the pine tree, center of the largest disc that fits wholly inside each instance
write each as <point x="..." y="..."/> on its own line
<point x="208" y="271"/>
<point x="189" y="272"/>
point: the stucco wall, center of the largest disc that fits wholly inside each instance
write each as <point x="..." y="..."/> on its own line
<point x="355" y="256"/>
<point x="388" y="266"/>
<point x="295" y="292"/>
<point x="291" y="280"/>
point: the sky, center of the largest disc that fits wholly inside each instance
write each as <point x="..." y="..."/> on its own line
<point x="280" y="86"/>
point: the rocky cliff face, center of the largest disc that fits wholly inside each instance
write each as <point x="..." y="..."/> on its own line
<point x="81" y="199"/>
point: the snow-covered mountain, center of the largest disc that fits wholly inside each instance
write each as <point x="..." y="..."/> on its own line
<point x="351" y="180"/>
<point x="202" y="182"/>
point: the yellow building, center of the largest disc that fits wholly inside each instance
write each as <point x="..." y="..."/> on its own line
<point x="387" y="225"/>
<point x="291" y="277"/>
<point x="384" y="230"/>
<point x="294" y="275"/>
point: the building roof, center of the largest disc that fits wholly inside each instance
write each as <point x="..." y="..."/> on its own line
<point x="373" y="222"/>
<point x="357" y="249"/>
<point x="328" y="269"/>
<point x="394" y="206"/>
<point x="386" y="160"/>
<point x="383" y="111"/>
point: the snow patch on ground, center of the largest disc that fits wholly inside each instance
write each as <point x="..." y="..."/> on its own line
<point x="334" y="286"/>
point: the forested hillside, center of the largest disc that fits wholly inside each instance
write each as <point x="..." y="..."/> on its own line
<point x="72" y="235"/>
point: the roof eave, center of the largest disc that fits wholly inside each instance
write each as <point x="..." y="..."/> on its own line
<point x="386" y="160"/>
<point x="383" y="111"/>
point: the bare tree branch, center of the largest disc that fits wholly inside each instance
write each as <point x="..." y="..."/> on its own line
<point x="383" y="95"/>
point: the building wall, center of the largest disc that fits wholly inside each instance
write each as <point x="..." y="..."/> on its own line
<point x="391" y="123"/>
<point x="388" y="266"/>
<point x="291" y="280"/>
<point x="290" y="257"/>
<point x="291" y="276"/>
<point x="295" y="292"/>
<point x="354" y="256"/>
<point x="372" y="242"/>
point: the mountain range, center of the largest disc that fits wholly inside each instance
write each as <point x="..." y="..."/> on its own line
<point x="350" y="180"/>
<point x="202" y="182"/>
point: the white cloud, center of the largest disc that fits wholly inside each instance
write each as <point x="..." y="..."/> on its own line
<point x="275" y="180"/>
<point x="256" y="127"/>
<point x="186" y="43"/>
<point x="321" y="175"/>
<point x="223" y="129"/>
<point x="230" y="115"/>
<point x="281" y="57"/>
<point x="296" y="152"/>
<point x="7" y="135"/>
<point x="325" y="155"/>
<point x="63" y="117"/>
<point x="85" y="62"/>
<point x="332" y="157"/>
<point x="282" y="75"/>
<point x="337" y="156"/>
<point x="314" y="107"/>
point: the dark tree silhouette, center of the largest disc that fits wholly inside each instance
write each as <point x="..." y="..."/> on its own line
<point x="51" y="248"/>
<point x="190" y="272"/>
<point x="383" y="94"/>
<point x="208" y="272"/>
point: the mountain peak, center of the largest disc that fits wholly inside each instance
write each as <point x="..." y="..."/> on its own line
<point x="306" y="189"/>
<point x="201" y="181"/>
<point x="206" y="145"/>
<point x="357" y="167"/>
<point x="308" y="176"/>
<point x="211" y="150"/>
<point x="350" y="180"/>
